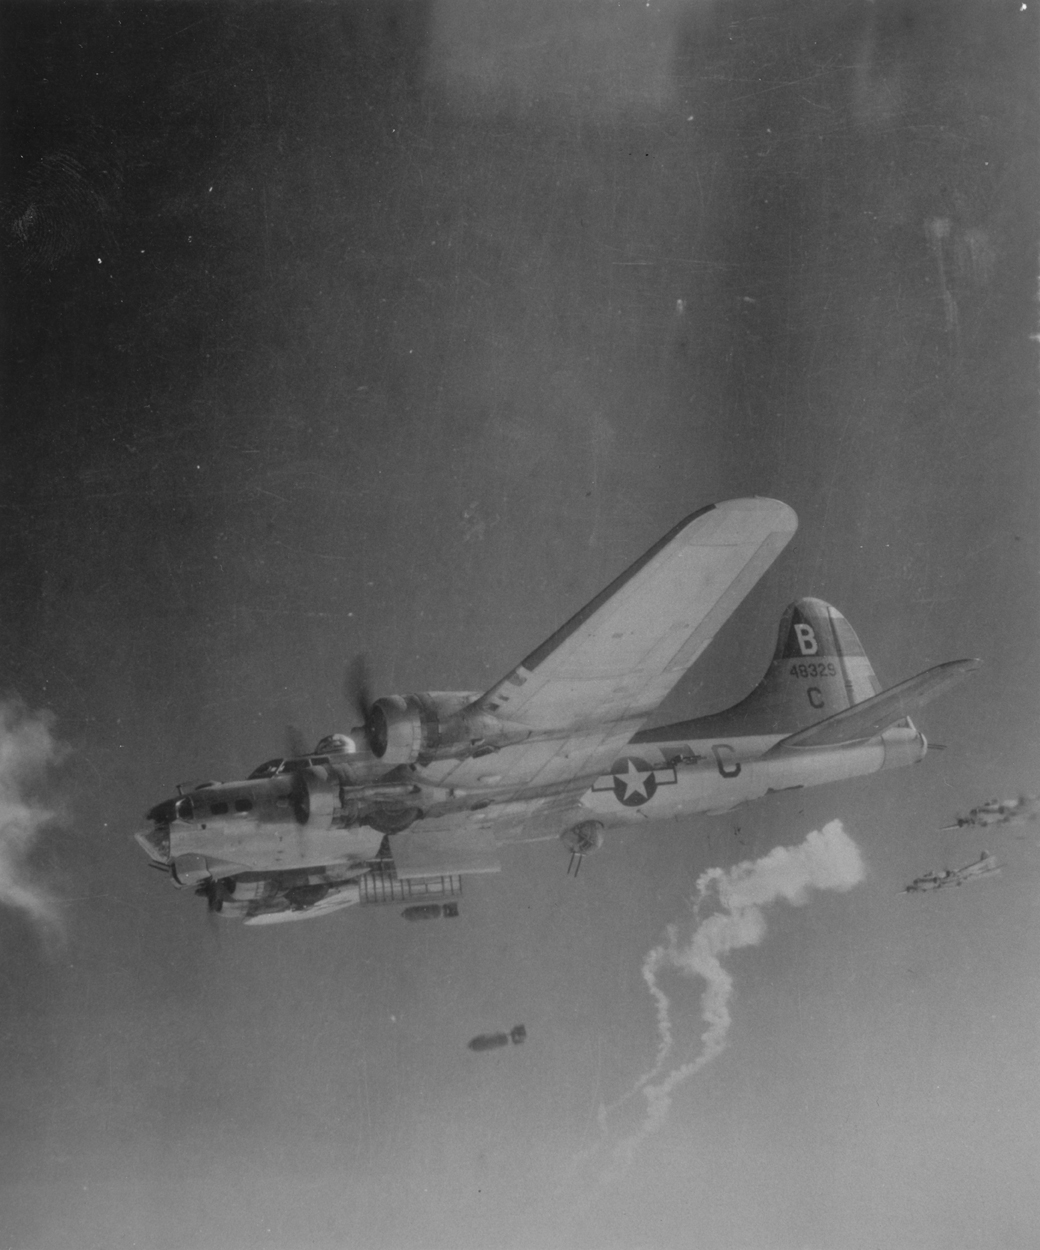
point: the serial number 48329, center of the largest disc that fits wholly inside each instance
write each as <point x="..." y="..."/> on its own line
<point x="814" y="670"/>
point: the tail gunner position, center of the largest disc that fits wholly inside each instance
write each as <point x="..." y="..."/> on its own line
<point x="431" y="786"/>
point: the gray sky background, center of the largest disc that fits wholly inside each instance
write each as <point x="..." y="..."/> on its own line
<point x="405" y="328"/>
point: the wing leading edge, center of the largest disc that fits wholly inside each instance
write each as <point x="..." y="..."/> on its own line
<point x="620" y="655"/>
<point x="592" y="683"/>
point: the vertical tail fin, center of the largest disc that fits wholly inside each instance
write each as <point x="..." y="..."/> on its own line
<point x="819" y="668"/>
<point x="814" y="631"/>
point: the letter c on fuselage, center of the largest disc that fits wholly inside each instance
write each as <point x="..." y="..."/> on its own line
<point x="815" y="696"/>
<point x="728" y="767"/>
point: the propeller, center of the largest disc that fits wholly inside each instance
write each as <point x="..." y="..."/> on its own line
<point x="357" y="688"/>
<point x="357" y="692"/>
<point x="295" y="743"/>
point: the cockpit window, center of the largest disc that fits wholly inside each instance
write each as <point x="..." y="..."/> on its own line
<point x="218" y="809"/>
<point x="269" y="769"/>
<point x="185" y="809"/>
<point x="243" y="805"/>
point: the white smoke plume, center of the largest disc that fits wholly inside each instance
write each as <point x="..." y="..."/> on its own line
<point x="27" y="752"/>
<point x="827" y="860"/>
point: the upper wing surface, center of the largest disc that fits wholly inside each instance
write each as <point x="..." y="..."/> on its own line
<point x="619" y="656"/>
<point x="589" y="687"/>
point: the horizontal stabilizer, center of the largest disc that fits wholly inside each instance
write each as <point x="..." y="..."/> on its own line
<point x="867" y="719"/>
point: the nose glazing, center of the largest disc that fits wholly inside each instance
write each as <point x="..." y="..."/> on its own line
<point x="155" y="843"/>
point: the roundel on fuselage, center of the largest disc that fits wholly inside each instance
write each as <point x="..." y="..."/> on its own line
<point x="634" y="781"/>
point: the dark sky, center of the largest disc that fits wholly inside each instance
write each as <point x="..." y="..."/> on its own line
<point x="403" y="328"/>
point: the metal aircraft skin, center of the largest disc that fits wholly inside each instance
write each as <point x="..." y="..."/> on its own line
<point x="1000" y="812"/>
<point x="432" y="786"/>
<point x="985" y="866"/>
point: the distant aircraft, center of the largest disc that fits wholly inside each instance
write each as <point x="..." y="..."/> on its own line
<point x="429" y="787"/>
<point x="984" y="866"/>
<point x="1001" y="812"/>
<point x="490" y="1041"/>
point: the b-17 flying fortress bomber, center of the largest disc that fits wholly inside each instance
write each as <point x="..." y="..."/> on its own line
<point x="431" y="786"/>
<point x="984" y="866"/>
<point x="1000" y="812"/>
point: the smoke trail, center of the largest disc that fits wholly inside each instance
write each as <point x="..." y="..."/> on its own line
<point x="826" y="860"/>
<point x="27" y="752"/>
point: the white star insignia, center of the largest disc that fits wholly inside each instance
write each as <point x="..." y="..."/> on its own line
<point x="634" y="780"/>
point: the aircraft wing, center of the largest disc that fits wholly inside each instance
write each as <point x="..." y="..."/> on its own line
<point x="445" y="845"/>
<point x="620" y="655"/>
<point x="867" y="719"/>
<point x="468" y="842"/>
<point x="985" y="866"/>
<point x="589" y="686"/>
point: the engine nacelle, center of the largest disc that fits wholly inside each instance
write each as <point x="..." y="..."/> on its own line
<point x="399" y="726"/>
<point x="315" y="797"/>
<point x="406" y="729"/>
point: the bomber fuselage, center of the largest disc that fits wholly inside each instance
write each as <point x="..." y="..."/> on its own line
<point x="309" y="814"/>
